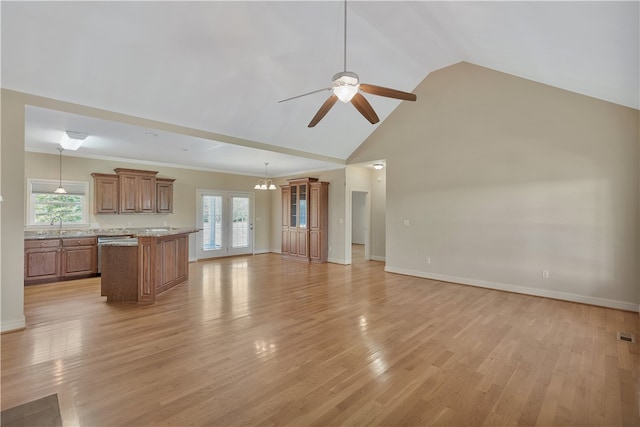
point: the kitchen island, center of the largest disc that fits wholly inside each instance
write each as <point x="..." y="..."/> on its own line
<point x="138" y="271"/>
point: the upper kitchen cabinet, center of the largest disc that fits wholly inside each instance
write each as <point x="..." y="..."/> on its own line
<point x="137" y="191"/>
<point x="106" y="189"/>
<point x="132" y="191"/>
<point x="164" y="195"/>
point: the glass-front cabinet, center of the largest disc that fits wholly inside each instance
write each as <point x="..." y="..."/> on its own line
<point x="302" y="199"/>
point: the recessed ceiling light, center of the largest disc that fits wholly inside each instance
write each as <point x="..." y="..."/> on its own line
<point x="151" y="134"/>
<point x="378" y="166"/>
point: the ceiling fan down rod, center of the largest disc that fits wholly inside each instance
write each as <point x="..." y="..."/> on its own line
<point x="345" y="36"/>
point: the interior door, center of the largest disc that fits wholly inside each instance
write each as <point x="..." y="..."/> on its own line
<point x="226" y="223"/>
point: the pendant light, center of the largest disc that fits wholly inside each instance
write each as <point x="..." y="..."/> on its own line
<point x="60" y="189"/>
<point x="266" y="183"/>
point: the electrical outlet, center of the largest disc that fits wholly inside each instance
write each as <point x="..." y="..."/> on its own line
<point x="545" y="274"/>
<point x="405" y="222"/>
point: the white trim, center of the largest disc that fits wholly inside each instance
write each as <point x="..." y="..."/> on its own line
<point x="276" y="251"/>
<point x="227" y="249"/>
<point x="378" y="258"/>
<point x="261" y="251"/>
<point x="86" y="205"/>
<point x="14" y="325"/>
<point x="565" y="296"/>
<point x="340" y="261"/>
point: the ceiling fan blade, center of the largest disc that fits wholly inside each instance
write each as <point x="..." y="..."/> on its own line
<point x="389" y="93"/>
<point x="305" y="94"/>
<point x="365" y="108"/>
<point x="323" y="110"/>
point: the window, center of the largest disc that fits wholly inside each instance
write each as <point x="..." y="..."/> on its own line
<point x="46" y="206"/>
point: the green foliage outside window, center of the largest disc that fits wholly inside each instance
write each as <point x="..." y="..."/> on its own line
<point x="46" y="207"/>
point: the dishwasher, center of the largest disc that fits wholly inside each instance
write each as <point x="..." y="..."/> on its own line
<point x="105" y="239"/>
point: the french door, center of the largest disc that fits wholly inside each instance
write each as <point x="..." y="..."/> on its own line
<point x="226" y="223"/>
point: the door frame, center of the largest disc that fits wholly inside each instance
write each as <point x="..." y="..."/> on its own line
<point x="367" y="224"/>
<point x="227" y="225"/>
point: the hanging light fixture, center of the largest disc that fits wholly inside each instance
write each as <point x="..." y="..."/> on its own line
<point x="266" y="183"/>
<point x="60" y="189"/>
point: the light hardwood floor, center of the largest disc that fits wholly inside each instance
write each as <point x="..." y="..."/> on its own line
<point x="258" y="340"/>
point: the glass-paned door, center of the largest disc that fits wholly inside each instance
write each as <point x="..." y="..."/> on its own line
<point x="226" y="223"/>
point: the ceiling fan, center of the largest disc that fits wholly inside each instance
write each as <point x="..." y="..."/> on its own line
<point x="346" y="87"/>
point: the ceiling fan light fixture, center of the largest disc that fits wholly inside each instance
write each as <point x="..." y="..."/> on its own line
<point x="378" y="166"/>
<point x="345" y="85"/>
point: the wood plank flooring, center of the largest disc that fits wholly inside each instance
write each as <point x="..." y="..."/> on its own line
<point x="257" y="340"/>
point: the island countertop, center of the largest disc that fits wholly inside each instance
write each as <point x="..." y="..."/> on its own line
<point x="101" y="232"/>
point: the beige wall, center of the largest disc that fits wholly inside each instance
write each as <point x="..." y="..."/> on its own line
<point x="12" y="261"/>
<point x="378" y="214"/>
<point x="38" y="165"/>
<point x="500" y="178"/>
<point x="45" y="166"/>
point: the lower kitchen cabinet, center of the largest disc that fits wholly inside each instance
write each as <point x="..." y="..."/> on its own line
<point x="79" y="257"/>
<point x="53" y="260"/>
<point x="41" y="261"/>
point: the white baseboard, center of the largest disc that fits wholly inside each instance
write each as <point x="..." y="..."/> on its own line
<point x="276" y="251"/>
<point x="14" y="325"/>
<point x="565" y="296"/>
<point x="340" y="261"/>
<point x="262" y="251"/>
<point x="378" y="258"/>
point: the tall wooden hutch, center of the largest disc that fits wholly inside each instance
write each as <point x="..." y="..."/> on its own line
<point x="305" y="222"/>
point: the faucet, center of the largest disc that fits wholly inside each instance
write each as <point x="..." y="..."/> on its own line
<point x="59" y="218"/>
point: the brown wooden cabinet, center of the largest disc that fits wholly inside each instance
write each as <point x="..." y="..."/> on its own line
<point x="137" y="191"/>
<point x="132" y="191"/>
<point x="174" y="256"/>
<point x="319" y="221"/>
<point x="79" y="257"/>
<point x="164" y="195"/>
<point x="285" y="220"/>
<point x="106" y="189"/>
<point x="52" y="260"/>
<point x="41" y="261"/>
<point x="305" y="219"/>
<point x="141" y="272"/>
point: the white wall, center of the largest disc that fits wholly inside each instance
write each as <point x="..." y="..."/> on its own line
<point x="12" y="261"/>
<point x="358" y="218"/>
<point x="501" y="178"/>
<point x="378" y="216"/>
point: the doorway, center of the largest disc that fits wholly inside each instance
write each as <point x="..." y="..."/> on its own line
<point x="225" y="221"/>
<point x="359" y="226"/>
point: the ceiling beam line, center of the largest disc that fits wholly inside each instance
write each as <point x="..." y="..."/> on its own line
<point x="69" y="107"/>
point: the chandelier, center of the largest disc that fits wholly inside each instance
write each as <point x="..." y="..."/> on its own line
<point x="266" y="183"/>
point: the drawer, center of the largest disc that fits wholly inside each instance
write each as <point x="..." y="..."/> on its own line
<point x="41" y="243"/>
<point x="79" y="241"/>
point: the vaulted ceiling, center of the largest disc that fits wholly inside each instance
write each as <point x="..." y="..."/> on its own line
<point x="222" y="67"/>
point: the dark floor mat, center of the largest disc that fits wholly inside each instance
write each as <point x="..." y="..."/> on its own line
<point x="44" y="412"/>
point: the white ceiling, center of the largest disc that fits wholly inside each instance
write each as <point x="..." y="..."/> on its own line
<point x="221" y="67"/>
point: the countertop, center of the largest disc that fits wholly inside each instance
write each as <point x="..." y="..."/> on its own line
<point x="102" y="232"/>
